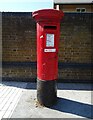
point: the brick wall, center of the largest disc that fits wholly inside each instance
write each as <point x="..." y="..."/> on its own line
<point x="19" y="37"/>
<point x="76" y="46"/>
<point x="75" y="40"/>
<point x="19" y="47"/>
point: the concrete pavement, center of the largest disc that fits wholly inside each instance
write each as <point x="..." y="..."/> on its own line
<point x="10" y="93"/>
<point x="74" y="101"/>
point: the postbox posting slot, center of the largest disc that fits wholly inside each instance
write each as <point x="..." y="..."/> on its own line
<point x="50" y="27"/>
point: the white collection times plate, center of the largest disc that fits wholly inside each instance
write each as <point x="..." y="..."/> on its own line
<point x="49" y="50"/>
<point x="49" y="40"/>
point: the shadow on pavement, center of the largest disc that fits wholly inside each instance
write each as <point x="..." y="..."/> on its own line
<point x="14" y="84"/>
<point x="65" y="86"/>
<point x="74" y="107"/>
<point x="31" y="86"/>
<point x="60" y="86"/>
<point x="75" y="86"/>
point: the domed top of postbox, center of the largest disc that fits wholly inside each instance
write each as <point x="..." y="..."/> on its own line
<point x="48" y="15"/>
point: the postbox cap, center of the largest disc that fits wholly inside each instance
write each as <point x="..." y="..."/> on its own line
<point x="48" y="15"/>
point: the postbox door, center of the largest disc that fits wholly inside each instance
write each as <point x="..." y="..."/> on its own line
<point x="50" y="52"/>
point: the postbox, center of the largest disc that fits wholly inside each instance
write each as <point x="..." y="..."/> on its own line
<point x="48" y="33"/>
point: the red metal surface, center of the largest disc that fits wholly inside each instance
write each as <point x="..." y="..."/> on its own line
<point x="48" y="14"/>
<point x="48" y="24"/>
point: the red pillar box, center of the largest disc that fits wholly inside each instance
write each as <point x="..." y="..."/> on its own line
<point x="48" y="32"/>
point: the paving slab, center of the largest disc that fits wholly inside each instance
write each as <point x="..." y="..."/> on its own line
<point x="74" y="101"/>
<point x="10" y="93"/>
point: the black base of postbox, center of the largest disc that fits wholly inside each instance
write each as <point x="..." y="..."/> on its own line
<point x="46" y="92"/>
